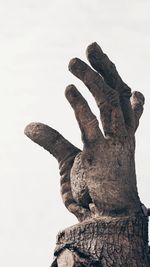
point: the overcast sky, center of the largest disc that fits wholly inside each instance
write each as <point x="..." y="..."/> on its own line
<point x="37" y="40"/>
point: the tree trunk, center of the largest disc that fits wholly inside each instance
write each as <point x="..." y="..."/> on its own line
<point x="107" y="242"/>
<point x="98" y="184"/>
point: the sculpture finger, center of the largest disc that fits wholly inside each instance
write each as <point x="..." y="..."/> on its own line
<point x="137" y="102"/>
<point x="91" y="79"/>
<point x="106" y="98"/>
<point x="65" y="153"/>
<point x="86" y="119"/>
<point x="51" y="140"/>
<point x="101" y="63"/>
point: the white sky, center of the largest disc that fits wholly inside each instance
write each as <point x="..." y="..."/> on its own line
<point x="37" y="40"/>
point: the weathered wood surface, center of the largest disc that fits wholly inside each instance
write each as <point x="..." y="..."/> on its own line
<point x="106" y="241"/>
<point x="98" y="184"/>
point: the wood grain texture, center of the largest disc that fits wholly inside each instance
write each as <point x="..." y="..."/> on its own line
<point x="98" y="184"/>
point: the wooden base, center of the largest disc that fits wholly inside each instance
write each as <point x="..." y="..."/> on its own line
<point x="105" y="242"/>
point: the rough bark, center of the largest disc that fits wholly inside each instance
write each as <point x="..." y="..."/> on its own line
<point x="98" y="184"/>
<point x="106" y="241"/>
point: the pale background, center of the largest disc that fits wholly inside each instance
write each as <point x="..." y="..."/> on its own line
<point x="37" y="39"/>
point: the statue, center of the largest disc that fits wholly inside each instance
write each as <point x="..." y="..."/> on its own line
<point x="98" y="184"/>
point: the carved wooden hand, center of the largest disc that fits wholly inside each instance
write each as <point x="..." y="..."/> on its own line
<point x="101" y="179"/>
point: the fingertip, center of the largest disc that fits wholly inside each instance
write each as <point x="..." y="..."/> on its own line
<point x="77" y="67"/>
<point x="29" y="128"/>
<point x="70" y="89"/>
<point x="32" y="130"/>
<point x="138" y="96"/>
<point x="72" y="94"/>
<point x="92" y="49"/>
<point x="72" y="63"/>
